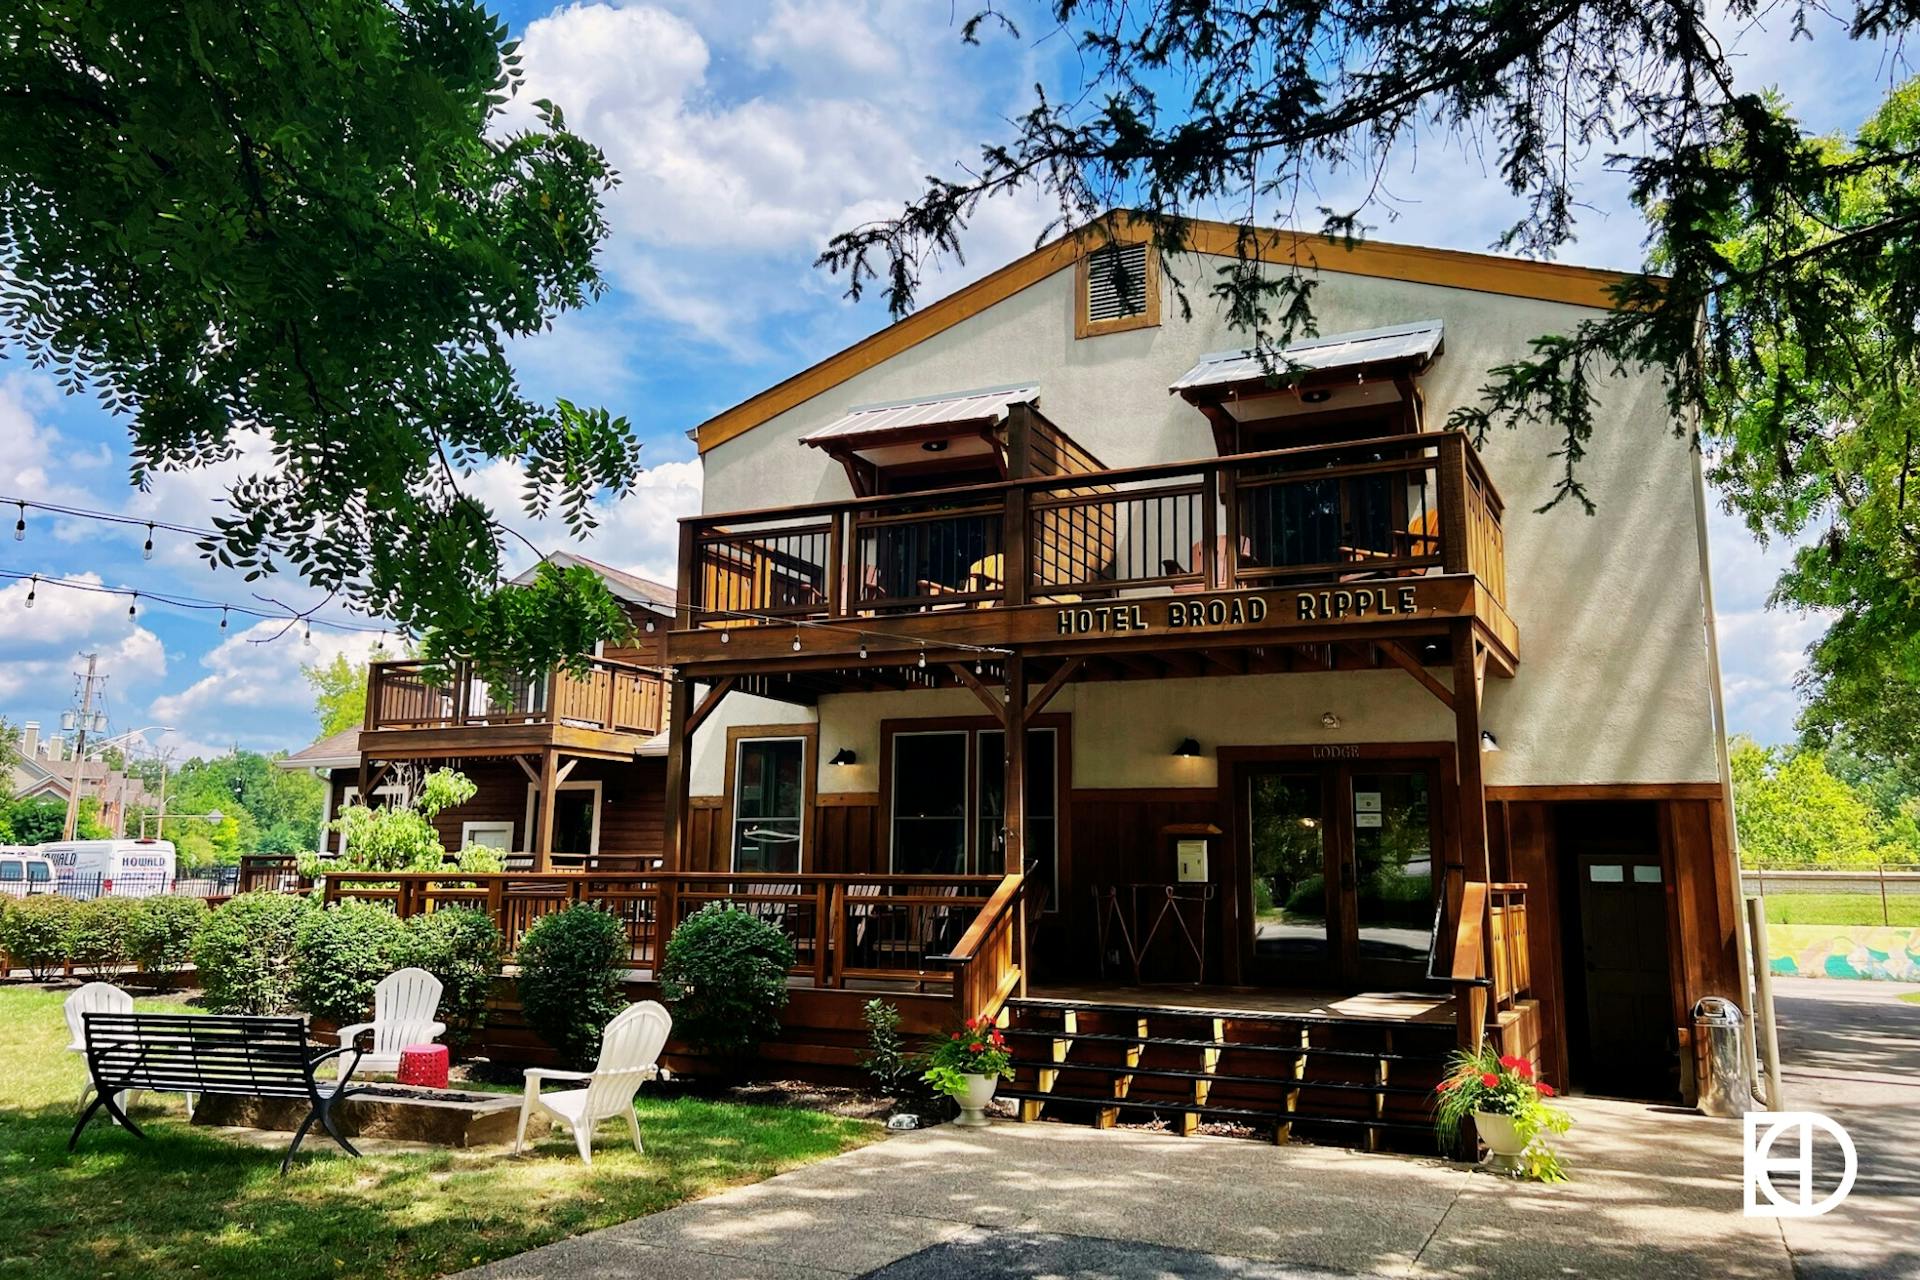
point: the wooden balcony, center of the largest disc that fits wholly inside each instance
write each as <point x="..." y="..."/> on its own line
<point x="412" y="712"/>
<point x="1287" y="546"/>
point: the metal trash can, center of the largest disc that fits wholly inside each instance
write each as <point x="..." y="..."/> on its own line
<point x="1725" y="1086"/>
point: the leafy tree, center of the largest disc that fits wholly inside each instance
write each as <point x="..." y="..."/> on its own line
<point x="39" y="819"/>
<point x="339" y="694"/>
<point x="1791" y="811"/>
<point x="263" y="808"/>
<point x="401" y="836"/>
<point x="315" y="220"/>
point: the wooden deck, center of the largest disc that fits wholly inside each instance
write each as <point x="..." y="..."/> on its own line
<point x="1379" y="1006"/>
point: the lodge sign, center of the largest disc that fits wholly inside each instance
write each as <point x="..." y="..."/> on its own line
<point x="1234" y="610"/>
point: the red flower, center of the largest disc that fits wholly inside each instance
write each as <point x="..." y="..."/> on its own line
<point x="976" y="1047"/>
<point x="1511" y="1062"/>
<point x="1489" y="1079"/>
<point x="998" y="1039"/>
<point x="956" y="1035"/>
<point x="1546" y="1090"/>
<point x="1525" y="1069"/>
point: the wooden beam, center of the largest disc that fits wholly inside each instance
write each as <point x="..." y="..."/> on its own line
<point x="1231" y="661"/>
<point x="987" y="696"/>
<point x="1054" y="684"/>
<point x="1139" y="665"/>
<point x="674" y="808"/>
<point x="533" y="775"/>
<point x="1466" y="724"/>
<point x="543" y="834"/>
<point x="560" y="775"/>
<point x="1411" y="665"/>
<point x="1015" y="759"/>
<point x="709" y="704"/>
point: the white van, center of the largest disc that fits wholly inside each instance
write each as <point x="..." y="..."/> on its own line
<point x="23" y="872"/>
<point x="122" y="868"/>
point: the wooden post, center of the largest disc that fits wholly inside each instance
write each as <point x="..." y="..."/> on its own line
<point x="543" y="829"/>
<point x="1015" y="759"/>
<point x="1470" y="1006"/>
<point x="1016" y="567"/>
<point x="679" y="743"/>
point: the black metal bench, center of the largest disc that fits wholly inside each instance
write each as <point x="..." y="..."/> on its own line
<point x="238" y="1056"/>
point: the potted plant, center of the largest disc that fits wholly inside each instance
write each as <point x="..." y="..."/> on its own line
<point x="1507" y="1102"/>
<point x="967" y="1066"/>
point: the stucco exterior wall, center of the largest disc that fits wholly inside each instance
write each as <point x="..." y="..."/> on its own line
<point x="1614" y="675"/>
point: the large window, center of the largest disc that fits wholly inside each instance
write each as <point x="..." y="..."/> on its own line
<point x="769" y="791"/>
<point x="930" y="803"/>
<point x="948" y="798"/>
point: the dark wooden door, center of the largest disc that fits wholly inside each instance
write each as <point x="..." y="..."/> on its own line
<point x="1623" y="932"/>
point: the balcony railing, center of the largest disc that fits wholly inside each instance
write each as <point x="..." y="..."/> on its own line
<point x="1392" y="507"/>
<point x="610" y="696"/>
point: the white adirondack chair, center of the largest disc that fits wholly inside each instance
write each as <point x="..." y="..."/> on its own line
<point x="404" y="1003"/>
<point x="629" y="1055"/>
<point x="99" y="997"/>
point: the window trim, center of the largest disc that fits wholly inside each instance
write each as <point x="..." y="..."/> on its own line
<point x="599" y="797"/>
<point x="468" y="828"/>
<point x="1061" y="757"/>
<point x="969" y="793"/>
<point x="1061" y="722"/>
<point x="809" y="733"/>
<point x="1084" y="327"/>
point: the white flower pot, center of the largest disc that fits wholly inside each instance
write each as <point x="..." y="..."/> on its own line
<point x="1504" y="1143"/>
<point x="973" y="1103"/>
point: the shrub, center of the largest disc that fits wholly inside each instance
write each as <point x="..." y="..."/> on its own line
<point x="33" y="933"/>
<point x="570" y="968"/>
<point x="245" y="953"/>
<point x="160" y="935"/>
<point x="97" y="933"/>
<point x="461" y="947"/>
<point x="725" y="975"/>
<point x="340" y="952"/>
<point x="897" y="1070"/>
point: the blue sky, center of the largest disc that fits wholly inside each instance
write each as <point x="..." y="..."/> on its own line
<point x="747" y="132"/>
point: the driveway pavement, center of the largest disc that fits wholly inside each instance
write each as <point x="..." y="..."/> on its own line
<point x="1657" y="1193"/>
<point x="1851" y="1051"/>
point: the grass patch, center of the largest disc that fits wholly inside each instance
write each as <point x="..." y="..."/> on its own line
<point x="1903" y="910"/>
<point x="1910" y="997"/>
<point x="189" y="1203"/>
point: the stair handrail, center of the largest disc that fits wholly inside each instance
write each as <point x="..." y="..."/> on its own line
<point x="987" y="940"/>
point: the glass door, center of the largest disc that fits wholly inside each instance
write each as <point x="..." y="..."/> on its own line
<point x="1388" y="876"/>
<point x="1295" y="914"/>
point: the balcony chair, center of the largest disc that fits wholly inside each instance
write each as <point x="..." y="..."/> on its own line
<point x="629" y="1056"/>
<point x="404" y="1003"/>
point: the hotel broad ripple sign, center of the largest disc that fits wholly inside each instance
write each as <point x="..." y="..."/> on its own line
<point x="1197" y="612"/>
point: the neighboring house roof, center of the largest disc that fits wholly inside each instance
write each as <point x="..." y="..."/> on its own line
<point x="335" y="751"/>
<point x="954" y="409"/>
<point x="34" y="776"/>
<point x="1417" y="343"/>
<point x="1483" y="273"/>
<point x="630" y="587"/>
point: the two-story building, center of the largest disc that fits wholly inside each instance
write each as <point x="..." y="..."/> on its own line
<point x="1267" y="738"/>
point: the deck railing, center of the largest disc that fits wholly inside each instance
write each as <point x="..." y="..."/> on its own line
<point x="1507" y="960"/>
<point x="1389" y="507"/>
<point x="844" y="928"/>
<point x="613" y="696"/>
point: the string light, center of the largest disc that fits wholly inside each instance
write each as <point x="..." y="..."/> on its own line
<point x="796" y="642"/>
<point x="188" y="603"/>
<point x="223" y="618"/>
<point x="307" y="638"/>
<point x="133" y="605"/>
<point x="146" y="552"/>
<point x="863" y="648"/>
<point x="20" y="525"/>
<point x="923" y="658"/>
<point x="32" y="587"/>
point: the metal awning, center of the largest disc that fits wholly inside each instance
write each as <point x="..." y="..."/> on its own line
<point x="954" y="409"/>
<point x="1416" y="343"/>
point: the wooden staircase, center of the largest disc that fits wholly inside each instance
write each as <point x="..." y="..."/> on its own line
<point x="1364" y="1083"/>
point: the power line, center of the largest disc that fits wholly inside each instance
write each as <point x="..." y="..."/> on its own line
<point x="223" y="607"/>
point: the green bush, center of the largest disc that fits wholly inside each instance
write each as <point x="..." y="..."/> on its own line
<point x="725" y="977"/>
<point x="340" y="952"/>
<point x="160" y="935"/>
<point x="97" y="933"/>
<point x="33" y="933"/>
<point x="245" y="953"/>
<point x="461" y="947"/>
<point x="1309" y="898"/>
<point x="570" y="972"/>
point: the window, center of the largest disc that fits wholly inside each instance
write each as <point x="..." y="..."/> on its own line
<point x="12" y="870"/>
<point x="769" y="797"/>
<point x="576" y="818"/>
<point x="487" y="835"/>
<point x="1118" y="288"/>
<point x="930" y="803"/>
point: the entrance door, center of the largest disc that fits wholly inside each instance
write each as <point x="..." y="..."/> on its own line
<point x="1629" y="1044"/>
<point x="1341" y="859"/>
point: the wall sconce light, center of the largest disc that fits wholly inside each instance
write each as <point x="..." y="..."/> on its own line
<point x="1319" y="395"/>
<point x="934" y="446"/>
<point x="1488" y="742"/>
<point x="1187" y="747"/>
<point x="844" y="755"/>
<point x="1328" y="720"/>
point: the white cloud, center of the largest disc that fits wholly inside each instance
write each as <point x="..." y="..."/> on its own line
<point x="253" y="671"/>
<point x="41" y="647"/>
<point x="638" y="533"/>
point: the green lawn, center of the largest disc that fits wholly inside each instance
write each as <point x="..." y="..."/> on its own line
<point x="190" y="1203"/>
<point x="1911" y="997"/>
<point x="1842" y="908"/>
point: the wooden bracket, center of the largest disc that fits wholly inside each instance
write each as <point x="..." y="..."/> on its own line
<point x="1037" y="703"/>
<point x="709" y="704"/>
<point x="989" y="697"/>
<point x="1411" y="665"/>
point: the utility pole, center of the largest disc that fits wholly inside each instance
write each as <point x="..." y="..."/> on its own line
<point x="80" y="744"/>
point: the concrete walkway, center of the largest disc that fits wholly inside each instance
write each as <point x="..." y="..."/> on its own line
<point x="1851" y="1051"/>
<point x="1657" y="1194"/>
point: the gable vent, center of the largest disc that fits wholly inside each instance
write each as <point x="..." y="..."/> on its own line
<point x="1117" y="282"/>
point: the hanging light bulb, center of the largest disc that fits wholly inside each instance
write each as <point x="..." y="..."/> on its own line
<point x="796" y="642"/>
<point x="20" y="525"/>
<point x="923" y="658"/>
<point x="307" y="639"/>
<point x="863" y="647"/>
<point x="32" y="587"/>
<point x="726" y="637"/>
<point x="979" y="667"/>
<point x="223" y="617"/>
<point x="133" y="604"/>
<point x="146" y="552"/>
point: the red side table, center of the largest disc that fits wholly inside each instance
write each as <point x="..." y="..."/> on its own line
<point x="424" y="1064"/>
